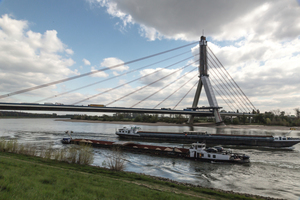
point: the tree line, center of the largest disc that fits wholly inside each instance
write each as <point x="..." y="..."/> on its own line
<point x="275" y="117"/>
<point x="147" y="118"/>
<point x="13" y="114"/>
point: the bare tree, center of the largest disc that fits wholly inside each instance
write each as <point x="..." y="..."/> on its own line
<point x="116" y="160"/>
<point x="276" y="112"/>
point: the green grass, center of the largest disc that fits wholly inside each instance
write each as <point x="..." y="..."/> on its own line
<point x="29" y="177"/>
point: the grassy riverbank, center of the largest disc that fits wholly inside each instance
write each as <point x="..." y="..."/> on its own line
<point x="29" y="177"/>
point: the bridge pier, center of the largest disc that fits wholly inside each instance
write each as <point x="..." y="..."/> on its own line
<point x="204" y="81"/>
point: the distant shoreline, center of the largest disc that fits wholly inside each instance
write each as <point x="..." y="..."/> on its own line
<point x="260" y="127"/>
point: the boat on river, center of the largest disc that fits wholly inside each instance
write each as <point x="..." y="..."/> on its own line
<point x="197" y="151"/>
<point x="209" y="139"/>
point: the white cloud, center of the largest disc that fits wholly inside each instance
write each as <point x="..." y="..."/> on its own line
<point x="113" y="10"/>
<point x="69" y="51"/>
<point x="129" y="101"/>
<point x="13" y="28"/>
<point x="113" y="62"/>
<point x="137" y="96"/>
<point x="115" y="73"/>
<point x="159" y="75"/>
<point x="150" y="33"/>
<point x="86" y="62"/>
<point x="222" y="20"/>
<point x="98" y="74"/>
<point x="29" y="58"/>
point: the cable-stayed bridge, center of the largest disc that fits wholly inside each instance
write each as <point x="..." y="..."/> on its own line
<point x="202" y="69"/>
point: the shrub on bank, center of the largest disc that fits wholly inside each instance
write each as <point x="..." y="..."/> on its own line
<point x="85" y="155"/>
<point x="116" y="161"/>
<point x="82" y="155"/>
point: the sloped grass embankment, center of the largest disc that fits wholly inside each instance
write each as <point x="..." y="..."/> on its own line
<point x="31" y="177"/>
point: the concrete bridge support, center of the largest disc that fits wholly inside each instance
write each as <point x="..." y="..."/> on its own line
<point x="204" y="81"/>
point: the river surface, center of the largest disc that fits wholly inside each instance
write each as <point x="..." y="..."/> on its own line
<point x="272" y="172"/>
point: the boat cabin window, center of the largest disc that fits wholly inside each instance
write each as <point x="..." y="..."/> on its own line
<point x="208" y="155"/>
<point x="214" y="156"/>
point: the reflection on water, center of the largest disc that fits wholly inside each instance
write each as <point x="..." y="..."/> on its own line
<point x="272" y="172"/>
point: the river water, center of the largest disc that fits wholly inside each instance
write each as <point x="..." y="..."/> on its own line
<point x="272" y="172"/>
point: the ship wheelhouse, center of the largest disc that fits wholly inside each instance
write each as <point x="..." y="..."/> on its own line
<point x="127" y="131"/>
<point x="279" y="138"/>
<point x="199" y="150"/>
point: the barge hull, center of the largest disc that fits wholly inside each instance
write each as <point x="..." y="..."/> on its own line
<point x="148" y="149"/>
<point x="213" y="140"/>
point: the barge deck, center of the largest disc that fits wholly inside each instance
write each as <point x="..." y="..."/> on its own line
<point x="210" y="139"/>
<point x="197" y="151"/>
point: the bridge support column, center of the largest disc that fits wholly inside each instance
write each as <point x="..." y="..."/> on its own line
<point x="196" y="100"/>
<point x="204" y="81"/>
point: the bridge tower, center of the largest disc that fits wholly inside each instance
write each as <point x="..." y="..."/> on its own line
<point x="204" y="81"/>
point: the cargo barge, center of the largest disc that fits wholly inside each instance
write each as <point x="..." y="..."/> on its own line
<point x="198" y="151"/>
<point x="209" y="139"/>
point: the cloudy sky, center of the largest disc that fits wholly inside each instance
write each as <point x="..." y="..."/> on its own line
<point x="44" y="41"/>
